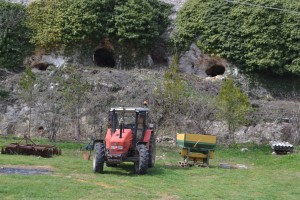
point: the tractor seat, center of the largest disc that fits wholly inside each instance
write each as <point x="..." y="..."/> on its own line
<point x="129" y="126"/>
<point x="140" y="132"/>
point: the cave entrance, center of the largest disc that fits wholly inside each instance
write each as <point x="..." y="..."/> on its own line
<point x="104" y="58"/>
<point x="215" y="70"/>
<point x="41" y="66"/>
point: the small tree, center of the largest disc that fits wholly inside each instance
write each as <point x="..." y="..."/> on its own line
<point x="51" y="115"/>
<point x="172" y="93"/>
<point x="74" y="95"/>
<point x="50" y="107"/>
<point x="173" y="84"/>
<point x="233" y="105"/>
<point x="200" y="109"/>
<point x="27" y="85"/>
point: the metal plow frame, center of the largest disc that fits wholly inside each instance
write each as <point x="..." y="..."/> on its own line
<point x="45" y="151"/>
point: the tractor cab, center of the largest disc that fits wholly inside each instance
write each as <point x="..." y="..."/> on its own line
<point x="129" y="138"/>
<point x="134" y="120"/>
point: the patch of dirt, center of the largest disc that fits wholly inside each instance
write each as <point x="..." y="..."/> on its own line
<point x="46" y="167"/>
<point x="26" y="170"/>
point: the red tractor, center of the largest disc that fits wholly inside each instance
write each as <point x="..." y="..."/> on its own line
<point x="129" y="138"/>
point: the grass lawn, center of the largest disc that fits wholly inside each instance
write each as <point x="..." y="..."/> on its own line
<point x="268" y="177"/>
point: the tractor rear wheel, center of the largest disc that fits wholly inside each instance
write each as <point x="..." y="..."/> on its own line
<point x="152" y="151"/>
<point x="98" y="159"/>
<point x="141" y="166"/>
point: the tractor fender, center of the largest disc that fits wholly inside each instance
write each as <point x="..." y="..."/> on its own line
<point x="147" y="136"/>
<point x="139" y="143"/>
<point x="101" y="141"/>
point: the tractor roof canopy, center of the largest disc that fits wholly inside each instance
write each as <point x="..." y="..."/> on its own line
<point x="129" y="109"/>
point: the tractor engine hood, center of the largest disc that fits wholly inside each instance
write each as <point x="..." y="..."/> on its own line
<point x="117" y="145"/>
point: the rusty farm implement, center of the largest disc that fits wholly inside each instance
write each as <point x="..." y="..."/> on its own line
<point x="30" y="148"/>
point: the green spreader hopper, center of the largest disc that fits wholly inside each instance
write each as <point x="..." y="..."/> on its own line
<point x="196" y="149"/>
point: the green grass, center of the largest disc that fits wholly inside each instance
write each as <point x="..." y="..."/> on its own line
<point x="268" y="177"/>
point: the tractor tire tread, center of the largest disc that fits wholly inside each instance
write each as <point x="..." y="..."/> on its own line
<point x="142" y="165"/>
<point x="152" y="151"/>
<point x="99" y="155"/>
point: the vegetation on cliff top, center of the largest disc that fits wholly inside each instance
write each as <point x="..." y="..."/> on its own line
<point x="249" y="34"/>
<point x="254" y="35"/>
<point x="14" y="36"/>
<point x="68" y="22"/>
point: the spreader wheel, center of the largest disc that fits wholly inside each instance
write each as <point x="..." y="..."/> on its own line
<point x="98" y="159"/>
<point x="141" y="166"/>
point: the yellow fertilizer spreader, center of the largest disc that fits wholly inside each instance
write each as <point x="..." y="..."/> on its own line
<point x="196" y="149"/>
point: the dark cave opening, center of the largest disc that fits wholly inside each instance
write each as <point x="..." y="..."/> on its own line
<point x="104" y="58"/>
<point x="215" y="70"/>
<point x="41" y="66"/>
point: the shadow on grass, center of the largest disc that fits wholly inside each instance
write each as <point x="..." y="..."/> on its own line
<point x="127" y="169"/>
<point x="168" y="168"/>
<point x="177" y="167"/>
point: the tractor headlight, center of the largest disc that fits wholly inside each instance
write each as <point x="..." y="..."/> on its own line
<point x="116" y="147"/>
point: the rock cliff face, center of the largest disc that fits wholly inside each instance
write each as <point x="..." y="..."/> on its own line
<point x="278" y="120"/>
<point x="26" y="2"/>
<point x="177" y="3"/>
<point x="108" y="87"/>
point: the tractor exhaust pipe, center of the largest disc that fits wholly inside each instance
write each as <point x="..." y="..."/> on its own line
<point x="121" y="126"/>
<point x="121" y="130"/>
<point x="122" y="122"/>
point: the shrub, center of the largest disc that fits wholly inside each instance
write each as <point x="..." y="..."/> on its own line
<point x="233" y="105"/>
<point x="3" y="94"/>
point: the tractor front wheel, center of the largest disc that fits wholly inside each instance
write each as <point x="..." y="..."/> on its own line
<point x="98" y="159"/>
<point x="141" y="166"/>
<point x="152" y="151"/>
